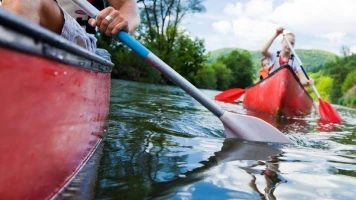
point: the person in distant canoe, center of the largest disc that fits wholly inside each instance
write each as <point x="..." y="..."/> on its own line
<point x="120" y="15"/>
<point x="265" y="66"/>
<point x="284" y="56"/>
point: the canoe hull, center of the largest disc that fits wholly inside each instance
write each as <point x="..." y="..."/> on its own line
<point x="54" y="117"/>
<point x="280" y="94"/>
<point x="54" y="103"/>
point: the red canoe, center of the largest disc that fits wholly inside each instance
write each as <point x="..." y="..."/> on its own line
<point x="280" y="94"/>
<point x="54" y="100"/>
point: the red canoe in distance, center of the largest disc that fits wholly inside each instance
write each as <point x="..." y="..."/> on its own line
<point x="54" y="106"/>
<point x="280" y="94"/>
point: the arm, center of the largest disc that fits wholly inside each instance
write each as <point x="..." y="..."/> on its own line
<point x="303" y="79"/>
<point x="265" y="48"/>
<point x="43" y="12"/>
<point x="26" y="8"/>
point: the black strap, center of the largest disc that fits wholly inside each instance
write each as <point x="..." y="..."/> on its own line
<point x="292" y="58"/>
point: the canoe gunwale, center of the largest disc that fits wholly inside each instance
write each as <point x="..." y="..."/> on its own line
<point x="20" y="34"/>
<point x="276" y="71"/>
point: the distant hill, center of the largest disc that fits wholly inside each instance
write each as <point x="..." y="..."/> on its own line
<point x="312" y="59"/>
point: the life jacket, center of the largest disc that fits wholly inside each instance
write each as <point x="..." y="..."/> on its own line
<point x="263" y="73"/>
<point x="279" y="62"/>
<point x="78" y="14"/>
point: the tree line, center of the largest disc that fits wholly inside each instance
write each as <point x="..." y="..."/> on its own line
<point x="160" y="32"/>
<point x="336" y="80"/>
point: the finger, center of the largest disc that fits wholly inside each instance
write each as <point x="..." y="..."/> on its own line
<point x="121" y="26"/>
<point x="119" y="19"/>
<point x="105" y="23"/>
<point x="92" y="22"/>
<point x="102" y="14"/>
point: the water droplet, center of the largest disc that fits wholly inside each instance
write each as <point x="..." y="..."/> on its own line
<point x="55" y="73"/>
<point x="65" y="73"/>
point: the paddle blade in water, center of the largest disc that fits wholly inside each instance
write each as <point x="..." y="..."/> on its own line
<point x="251" y="129"/>
<point x="328" y="113"/>
<point x="230" y="95"/>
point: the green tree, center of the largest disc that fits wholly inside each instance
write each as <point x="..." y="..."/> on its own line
<point x="349" y="82"/>
<point x="205" y="77"/>
<point x="159" y="32"/>
<point x="241" y="66"/>
<point x="161" y="19"/>
<point x="187" y="56"/>
<point x="338" y="70"/>
<point x="324" y="86"/>
<point x="223" y="75"/>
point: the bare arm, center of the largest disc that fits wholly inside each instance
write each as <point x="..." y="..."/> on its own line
<point x="25" y="8"/>
<point x="129" y="9"/>
<point x="303" y="79"/>
<point x="43" y="12"/>
<point x="265" y="48"/>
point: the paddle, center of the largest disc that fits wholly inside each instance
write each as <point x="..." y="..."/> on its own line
<point x="236" y="126"/>
<point x="326" y="111"/>
<point x="230" y="95"/>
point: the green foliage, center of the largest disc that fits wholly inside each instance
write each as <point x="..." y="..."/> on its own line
<point x="223" y="75"/>
<point x="213" y="76"/>
<point x="324" y="85"/>
<point x="313" y="60"/>
<point x="159" y="33"/>
<point x="349" y="101"/>
<point x="338" y="70"/>
<point x="242" y="70"/>
<point x="342" y="71"/>
<point x="206" y="77"/>
<point x="187" y="56"/>
<point x="349" y="82"/>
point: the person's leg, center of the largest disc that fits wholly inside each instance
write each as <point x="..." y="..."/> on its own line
<point x="48" y="14"/>
<point x="44" y="12"/>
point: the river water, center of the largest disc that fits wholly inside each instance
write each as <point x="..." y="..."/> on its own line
<point x="162" y="144"/>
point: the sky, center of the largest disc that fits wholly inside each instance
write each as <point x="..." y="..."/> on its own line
<point x="249" y="24"/>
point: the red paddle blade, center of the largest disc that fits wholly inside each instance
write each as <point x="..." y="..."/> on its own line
<point x="230" y="95"/>
<point x="328" y="113"/>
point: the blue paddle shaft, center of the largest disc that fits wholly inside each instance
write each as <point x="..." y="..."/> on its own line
<point x="157" y="63"/>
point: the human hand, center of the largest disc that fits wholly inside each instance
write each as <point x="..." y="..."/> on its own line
<point x="279" y="31"/>
<point x="110" y="22"/>
<point x="310" y="81"/>
<point x="307" y="82"/>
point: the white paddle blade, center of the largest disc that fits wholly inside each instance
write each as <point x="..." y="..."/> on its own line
<point x="238" y="150"/>
<point x="251" y="129"/>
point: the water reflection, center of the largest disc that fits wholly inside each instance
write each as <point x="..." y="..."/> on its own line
<point x="262" y="160"/>
<point x="162" y="144"/>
